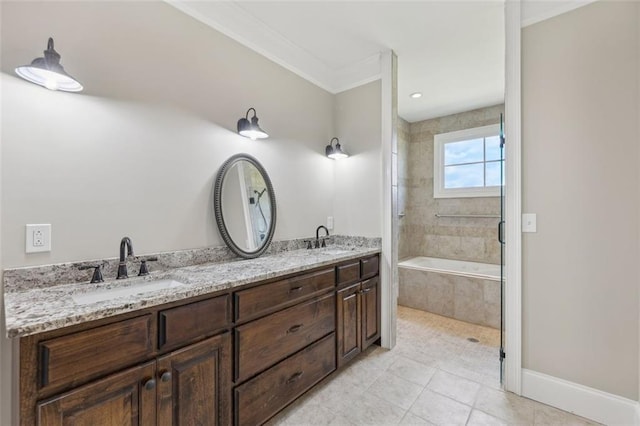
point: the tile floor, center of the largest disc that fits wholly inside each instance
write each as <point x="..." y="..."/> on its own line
<point x="434" y="376"/>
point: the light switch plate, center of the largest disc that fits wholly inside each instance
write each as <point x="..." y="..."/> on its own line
<point x="38" y="238"/>
<point x="329" y="222"/>
<point x="529" y="222"/>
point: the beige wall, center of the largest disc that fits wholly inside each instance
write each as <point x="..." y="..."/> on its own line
<point x="423" y="234"/>
<point x="358" y="179"/>
<point x="137" y="152"/>
<point x="580" y="175"/>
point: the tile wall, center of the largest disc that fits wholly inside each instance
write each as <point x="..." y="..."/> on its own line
<point x="420" y="232"/>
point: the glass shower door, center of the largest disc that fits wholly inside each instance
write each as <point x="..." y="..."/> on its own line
<point x="502" y="246"/>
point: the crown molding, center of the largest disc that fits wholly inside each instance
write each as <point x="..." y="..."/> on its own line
<point x="551" y="10"/>
<point x="232" y="20"/>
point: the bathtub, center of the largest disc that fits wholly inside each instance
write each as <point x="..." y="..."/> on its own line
<point x="467" y="291"/>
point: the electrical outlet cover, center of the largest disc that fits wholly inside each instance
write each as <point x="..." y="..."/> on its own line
<point x="38" y="238"/>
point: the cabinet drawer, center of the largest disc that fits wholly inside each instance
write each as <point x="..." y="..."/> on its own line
<point x="270" y="297"/>
<point x="78" y="357"/>
<point x="184" y="324"/>
<point x="259" y="399"/>
<point x="262" y="343"/>
<point x="369" y="267"/>
<point x="347" y="274"/>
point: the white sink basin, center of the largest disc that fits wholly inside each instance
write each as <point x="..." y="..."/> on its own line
<point x="132" y="290"/>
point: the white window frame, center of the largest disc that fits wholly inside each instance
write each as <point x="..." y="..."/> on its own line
<point x="439" y="140"/>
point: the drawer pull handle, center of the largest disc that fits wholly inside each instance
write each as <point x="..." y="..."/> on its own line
<point x="294" y="289"/>
<point x="366" y="290"/>
<point x="150" y="384"/>
<point x="294" y="328"/>
<point x="294" y="377"/>
<point x="165" y="377"/>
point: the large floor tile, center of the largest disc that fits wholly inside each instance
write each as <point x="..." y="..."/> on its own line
<point x="395" y="390"/>
<point x="479" y="418"/>
<point x="413" y="371"/>
<point x="371" y="410"/>
<point x="506" y="406"/>
<point x="411" y="419"/>
<point x="439" y="409"/>
<point x="455" y="387"/>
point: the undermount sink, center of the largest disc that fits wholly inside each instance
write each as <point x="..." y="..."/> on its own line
<point x="132" y="290"/>
<point x="336" y="251"/>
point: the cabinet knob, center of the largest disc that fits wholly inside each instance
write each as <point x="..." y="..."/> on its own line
<point x="166" y="376"/>
<point x="150" y="384"/>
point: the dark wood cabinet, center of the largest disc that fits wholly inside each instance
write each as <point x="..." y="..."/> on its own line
<point x="349" y="324"/>
<point x="194" y="384"/>
<point x="79" y="357"/>
<point x="122" y="399"/>
<point x="358" y="314"/>
<point x="370" y="311"/>
<point x="237" y="356"/>
<point x="191" y="386"/>
<point x="257" y="400"/>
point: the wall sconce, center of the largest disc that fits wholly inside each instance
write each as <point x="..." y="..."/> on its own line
<point x="251" y="129"/>
<point x="48" y="72"/>
<point x="336" y="152"/>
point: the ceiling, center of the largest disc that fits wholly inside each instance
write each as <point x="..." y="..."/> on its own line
<point x="450" y="51"/>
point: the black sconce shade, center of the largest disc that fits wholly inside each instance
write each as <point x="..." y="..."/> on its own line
<point x="48" y="72"/>
<point x="336" y="152"/>
<point x="251" y="129"/>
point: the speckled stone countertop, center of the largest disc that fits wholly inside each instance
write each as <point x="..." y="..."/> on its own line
<point x="31" y="310"/>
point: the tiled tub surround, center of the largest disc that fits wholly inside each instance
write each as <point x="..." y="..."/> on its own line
<point x="452" y="289"/>
<point x="39" y="299"/>
<point x="421" y="233"/>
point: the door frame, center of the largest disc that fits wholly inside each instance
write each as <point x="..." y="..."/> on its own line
<point x="513" y="201"/>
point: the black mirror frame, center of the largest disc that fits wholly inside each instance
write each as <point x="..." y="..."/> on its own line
<point x="217" y="206"/>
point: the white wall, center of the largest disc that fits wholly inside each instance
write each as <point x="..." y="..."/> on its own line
<point x="137" y="152"/>
<point x="580" y="175"/>
<point x="358" y="179"/>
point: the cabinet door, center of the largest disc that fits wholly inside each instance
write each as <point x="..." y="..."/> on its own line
<point x="370" y="297"/>
<point x="122" y="399"/>
<point x="349" y="330"/>
<point x="194" y="384"/>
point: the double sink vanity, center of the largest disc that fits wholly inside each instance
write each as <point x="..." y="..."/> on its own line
<point x="222" y="352"/>
<point x="201" y="340"/>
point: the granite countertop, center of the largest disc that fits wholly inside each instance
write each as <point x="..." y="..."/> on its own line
<point x="35" y="310"/>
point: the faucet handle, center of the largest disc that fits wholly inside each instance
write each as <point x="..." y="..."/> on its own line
<point x="97" y="273"/>
<point x="309" y="246"/>
<point x="144" y="270"/>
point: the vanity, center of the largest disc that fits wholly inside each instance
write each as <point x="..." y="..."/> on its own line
<point x="235" y="356"/>
<point x="211" y="340"/>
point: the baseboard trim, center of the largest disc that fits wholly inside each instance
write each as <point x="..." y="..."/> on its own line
<point x="581" y="400"/>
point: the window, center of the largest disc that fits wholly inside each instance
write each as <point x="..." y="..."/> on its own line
<point x="467" y="163"/>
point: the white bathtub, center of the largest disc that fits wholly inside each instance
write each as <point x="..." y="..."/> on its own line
<point x="485" y="271"/>
<point x="468" y="291"/>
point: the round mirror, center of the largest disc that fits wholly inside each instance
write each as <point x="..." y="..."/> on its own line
<point x="245" y="206"/>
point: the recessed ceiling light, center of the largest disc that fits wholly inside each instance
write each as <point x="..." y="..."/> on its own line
<point x="416" y="95"/>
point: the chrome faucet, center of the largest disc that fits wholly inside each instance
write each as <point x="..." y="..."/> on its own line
<point x="122" y="266"/>
<point x="318" y="236"/>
